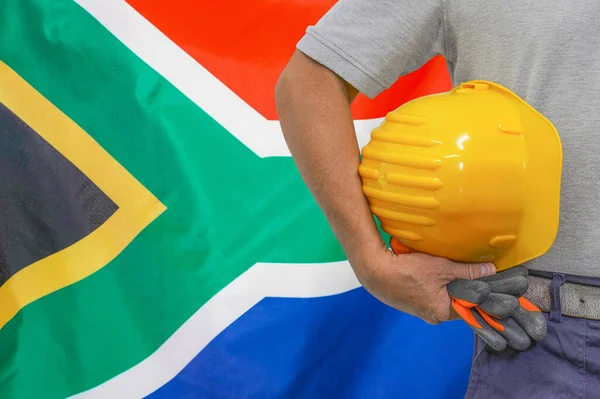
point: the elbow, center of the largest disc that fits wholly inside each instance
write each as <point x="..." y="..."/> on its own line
<point x="284" y="88"/>
<point x="304" y="77"/>
<point x="299" y="75"/>
<point x="281" y="88"/>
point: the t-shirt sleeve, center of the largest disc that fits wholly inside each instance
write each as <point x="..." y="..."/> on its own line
<point x="371" y="43"/>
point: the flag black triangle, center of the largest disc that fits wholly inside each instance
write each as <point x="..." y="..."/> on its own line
<point x="46" y="203"/>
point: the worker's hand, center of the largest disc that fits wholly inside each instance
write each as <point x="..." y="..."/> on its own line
<point x="494" y="306"/>
<point x="416" y="283"/>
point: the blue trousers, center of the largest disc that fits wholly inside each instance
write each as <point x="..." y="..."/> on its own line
<point x="564" y="364"/>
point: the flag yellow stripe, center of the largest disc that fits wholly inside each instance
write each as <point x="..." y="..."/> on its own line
<point x="138" y="207"/>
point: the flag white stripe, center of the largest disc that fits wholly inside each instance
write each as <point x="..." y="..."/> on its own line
<point x="260" y="281"/>
<point x="262" y="136"/>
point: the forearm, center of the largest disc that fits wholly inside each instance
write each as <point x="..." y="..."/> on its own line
<point x="314" y="112"/>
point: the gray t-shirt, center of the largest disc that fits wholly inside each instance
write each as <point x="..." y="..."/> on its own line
<point x="548" y="52"/>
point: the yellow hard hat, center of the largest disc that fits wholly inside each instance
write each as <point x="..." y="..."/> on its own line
<point x="472" y="175"/>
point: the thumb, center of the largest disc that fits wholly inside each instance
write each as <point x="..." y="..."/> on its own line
<point x="472" y="271"/>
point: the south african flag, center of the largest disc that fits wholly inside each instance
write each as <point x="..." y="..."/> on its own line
<point x="156" y="239"/>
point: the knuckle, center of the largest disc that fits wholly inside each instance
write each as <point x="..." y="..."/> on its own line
<point x="430" y="320"/>
<point x="437" y="316"/>
<point x="471" y="271"/>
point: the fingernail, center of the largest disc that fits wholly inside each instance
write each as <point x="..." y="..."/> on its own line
<point x="488" y="269"/>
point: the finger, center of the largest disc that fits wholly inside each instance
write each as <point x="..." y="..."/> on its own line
<point x="470" y="271"/>
<point x="491" y="337"/>
<point x="480" y="327"/>
<point x="466" y="314"/>
<point x="517" y="271"/>
<point x="500" y="305"/>
<point x="515" y="286"/>
<point x="515" y="336"/>
<point x="472" y="291"/>
<point x="531" y="319"/>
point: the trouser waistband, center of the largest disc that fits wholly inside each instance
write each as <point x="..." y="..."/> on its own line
<point x="562" y="294"/>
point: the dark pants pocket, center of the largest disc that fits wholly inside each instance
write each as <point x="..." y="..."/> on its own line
<point x="551" y="368"/>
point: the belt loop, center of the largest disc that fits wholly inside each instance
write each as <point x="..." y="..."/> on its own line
<point x="558" y="279"/>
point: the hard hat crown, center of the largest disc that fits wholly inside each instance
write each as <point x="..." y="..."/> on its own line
<point x="472" y="175"/>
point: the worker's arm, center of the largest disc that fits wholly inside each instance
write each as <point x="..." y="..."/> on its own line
<point x="314" y="111"/>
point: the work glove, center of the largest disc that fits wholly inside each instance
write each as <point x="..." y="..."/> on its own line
<point x="494" y="306"/>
